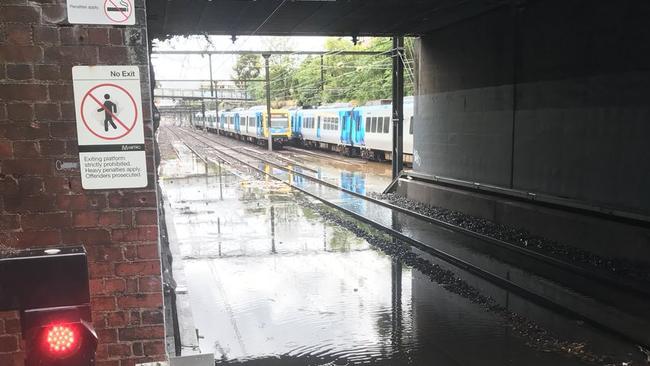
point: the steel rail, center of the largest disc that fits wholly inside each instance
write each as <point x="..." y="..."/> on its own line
<point x="453" y="260"/>
<point x="628" y="284"/>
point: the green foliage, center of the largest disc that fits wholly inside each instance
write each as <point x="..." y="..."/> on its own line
<point x="315" y="80"/>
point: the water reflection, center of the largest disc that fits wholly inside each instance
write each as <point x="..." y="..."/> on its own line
<point x="271" y="283"/>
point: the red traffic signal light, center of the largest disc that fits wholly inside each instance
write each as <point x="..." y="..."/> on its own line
<point x="61" y="340"/>
<point x="58" y="337"/>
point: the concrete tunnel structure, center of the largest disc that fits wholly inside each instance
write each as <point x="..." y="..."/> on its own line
<point x="548" y="98"/>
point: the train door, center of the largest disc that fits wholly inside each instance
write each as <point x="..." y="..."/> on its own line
<point x="346" y="127"/>
<point x="258" y="123"/>
<point x="318" y="128"/>
<point x="356" y="131"/>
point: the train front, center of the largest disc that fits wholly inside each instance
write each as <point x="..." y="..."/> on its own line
<point x="280" y="126"/>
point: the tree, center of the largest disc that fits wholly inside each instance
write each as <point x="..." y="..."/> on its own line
<point x="247" y="67"/>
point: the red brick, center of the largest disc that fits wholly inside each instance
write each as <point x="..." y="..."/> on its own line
<point x="80" y="202"/>
<point x="137" y="334"/>
<point x="150" y="251"/>
<point x="138" y="350"/>
<point x="9" y="222"/>
<point x="148" y="233"/>
<point x="138" y="268"/>
<point x="12" y="326"/>
<point x="154" y="348"/>
<point x="24" y="131"/>
<point x="19" y="72"/>
<point x="54" y="14"/>
<point x="149" y="284"/>
<point x="63" y="130"/>
<point x="19" y="34"/>
<point x="8" y="343"/>
<point x="61" y="92"/>
<point x="151" y="317"/>
<point x="22" y="203"/>
<point x="20" y="112"/>
<point x="140" y="301"/>
<point x="6" y="149"/>
<point x="86" y="237"/>
<point x="52" y="148"/>
<point x="116" y="36"/>
<point x="47" y="72"/>
<point x="47" y="111"/>
<point x="38" y="238"/>
<point x="12" y="359"/>
<point x="99" y="270"/>
<point x="20" y="92"/>
<point x="15" y="53"/>
<point x="71" y="55"/>
<point x="116" y="319"/>
<point x="106" y="253"/>
<point x="132" y="199"/>
<point x="46" y="35"/>
<point x="38" y="167"/>
<point x="107" y="335"/>
<point x="102" y="303"/>
<point x="119" y="350"/>
<point x="132" y="286"/>
<point x="24" y="14"/>
<point x="45" y="220"/>
<point x="112" y="55"/>
<point x="53" y="184"/>
<point x="97" y="36"/>
<point x="68" y="112"/>
<point x="95" y="218"/>
<point x="26" y="149"/>
<point x="146" y="217"/>
<point x="32" y="187"/>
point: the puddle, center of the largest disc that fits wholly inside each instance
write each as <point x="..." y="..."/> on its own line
<point x="271" y="283"/>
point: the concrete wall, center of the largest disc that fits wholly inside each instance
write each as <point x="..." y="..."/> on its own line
<point x="551" y="97"/>
<point x="41" y="206"/>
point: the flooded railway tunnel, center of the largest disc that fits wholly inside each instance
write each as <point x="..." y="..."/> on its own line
<point x="271" y="275"/>
<point x="318" y="217"/>
<point x="324" y="182"/>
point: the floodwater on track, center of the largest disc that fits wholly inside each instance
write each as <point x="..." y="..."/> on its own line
<point x="271" y="282"/>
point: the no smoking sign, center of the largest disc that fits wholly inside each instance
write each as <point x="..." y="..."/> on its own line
<point x="113" y="12"/>
<point x="110" y="130"/>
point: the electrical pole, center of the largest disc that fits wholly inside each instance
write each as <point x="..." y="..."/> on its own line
<point x="398" y="105"/>
<point x="213" y="93"/>
<point x="268" y="99"/>
<point x="322" y="80"/>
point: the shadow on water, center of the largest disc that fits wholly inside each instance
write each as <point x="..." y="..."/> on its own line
<point x="272" y="283"/>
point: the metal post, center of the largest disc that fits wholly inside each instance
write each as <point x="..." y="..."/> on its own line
<point x="213" y="93"/>
<point x="322" y="80"/>
<point x="205" y="127"/>
<point x="398" y="105"/>
<point x="268" y="99"/>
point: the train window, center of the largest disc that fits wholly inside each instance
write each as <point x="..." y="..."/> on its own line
<point x="386" y="124"/>
<point x="367" y="124"/>
<point x="411" y="126"/>
<point x="373" y="126"/>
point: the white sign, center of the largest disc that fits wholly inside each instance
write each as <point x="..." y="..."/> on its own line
<point x="114" y="12"/>
<point x="110" y="130"/>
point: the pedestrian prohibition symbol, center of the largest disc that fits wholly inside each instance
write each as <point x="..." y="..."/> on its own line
<point x="110" y="131"/>
<point x="105" y="98"/>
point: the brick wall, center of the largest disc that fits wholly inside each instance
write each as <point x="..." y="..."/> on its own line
<point x="42" y="206"/>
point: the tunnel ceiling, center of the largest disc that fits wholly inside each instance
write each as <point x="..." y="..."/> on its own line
<point x="308" y="17"/>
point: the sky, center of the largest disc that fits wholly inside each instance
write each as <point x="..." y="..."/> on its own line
<point x="196" y="66"/>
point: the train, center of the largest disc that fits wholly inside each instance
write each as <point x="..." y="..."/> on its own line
<point x="358" y="131"/>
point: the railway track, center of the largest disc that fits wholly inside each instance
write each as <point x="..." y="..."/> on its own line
<point x="458" y="245"/>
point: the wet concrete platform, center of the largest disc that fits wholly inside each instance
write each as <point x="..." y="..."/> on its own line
<point x="270" y="281"/>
